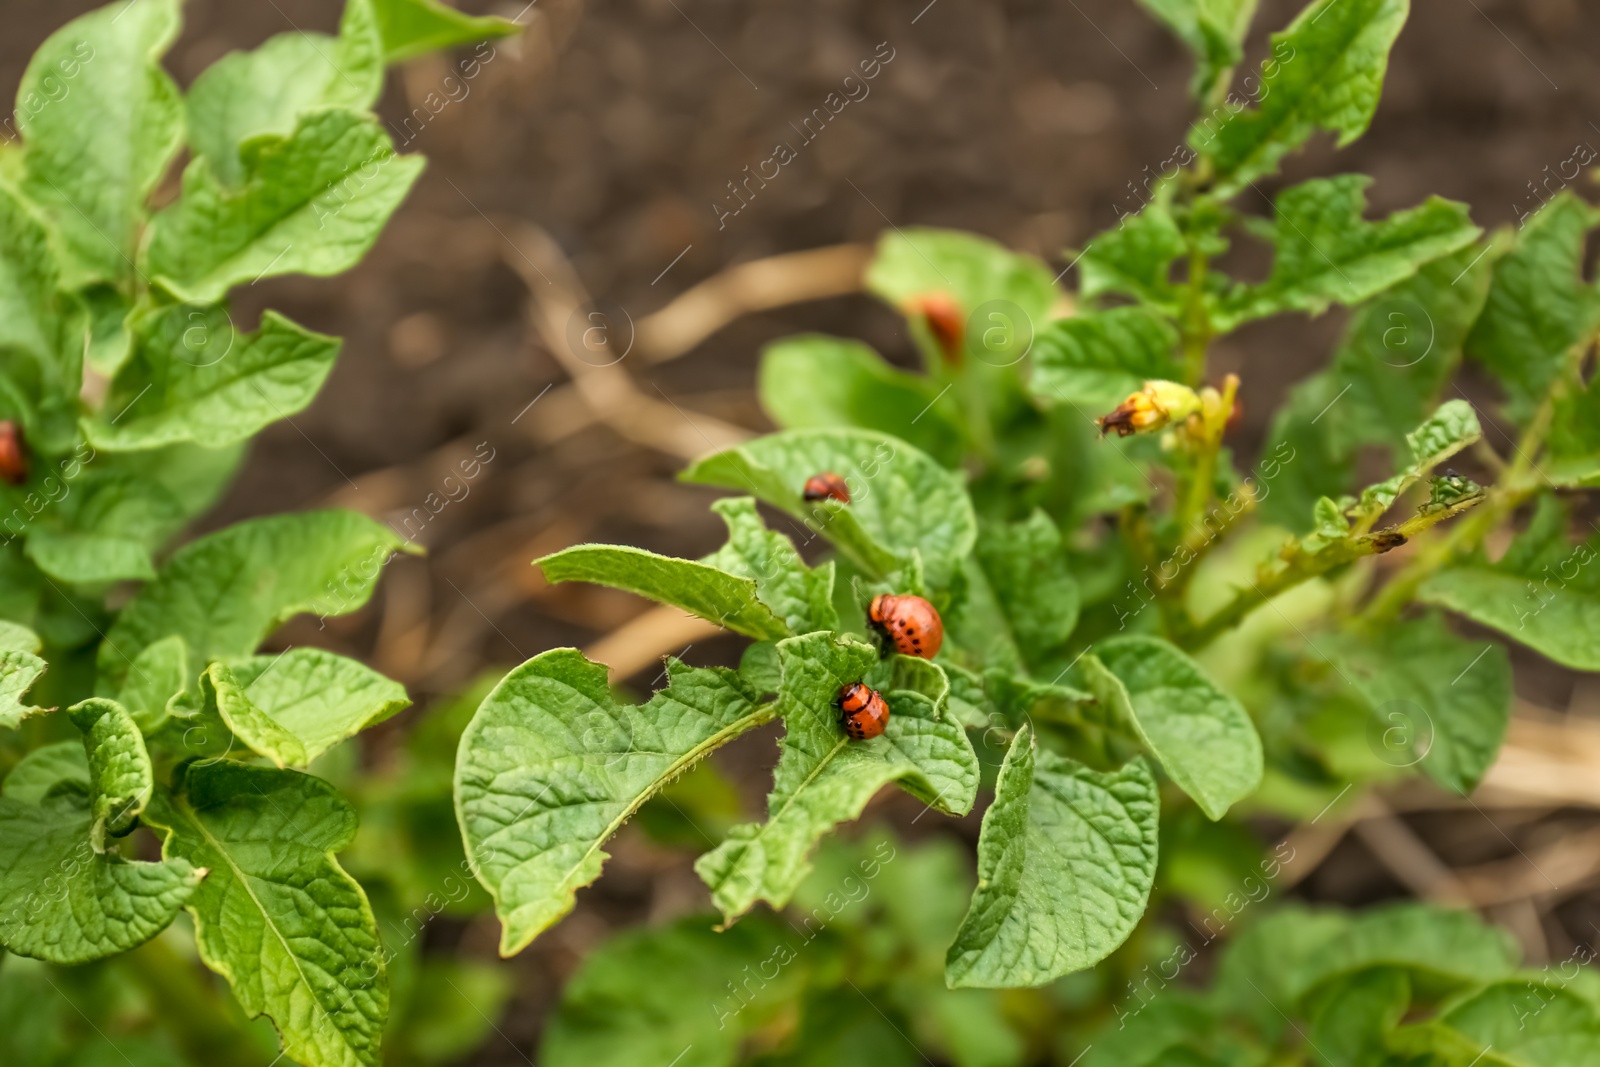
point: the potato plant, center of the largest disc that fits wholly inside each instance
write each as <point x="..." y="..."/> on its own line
<point x="1142" y="635"/>
<point x="127" y="397"/>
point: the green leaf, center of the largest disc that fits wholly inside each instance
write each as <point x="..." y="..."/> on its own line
<point x="1213" y="29"/>
<point x="277" y="916"/>
<point x="1574" y="440"/>
<point x="1202" y="737"/>
<point x="36" y="321"/>
<point x="1327" y="253"/>
<point x="1449" y="430"/>
<point x="224" y="593"/>
<point x="15" y="637"/>
<point x="88" y="558"/>
<point x="551" y="766"/>
<point x="1548" y="600"/>
<point x="18" y="671"/>
<point x="42" y="771"/>
<point x="1136" y="258"/>
<point x="823" y="778"/>
<point x="101" y="122"/>
<point x="311" y="203"/>
<point x="159" y="683"/>
<point x="121" y="779"/>
<point x="1026" y="565"/>
<point x="980" y="275"/>
<point x="817" y="382"/>
<point x="1094" y="360"/>
<point x="801" y="596"/>
<point x="1326" y="72"/>
<point x="416" y="27"/>
<point x="193" y="378"/>
<point x="105" y="528"/>
<point x="1396" y="356"/>
<point x="62" y="902"/>
<point x="1066" y="859"/>
<point x="902" y="501"/>
<point x="1401" y="348"/>
<point x="1538" y="308"/>
<point x="1438" y="947"/>
<point x="726" y="599"/>
<point x="1525" y="1024"/>
<point x="293" y="707"/>
<point x="614" y="1012"/>
<point x="1436" y="699"/>
<point x="246" y="94"/>
<point x="1352" y="1017"/>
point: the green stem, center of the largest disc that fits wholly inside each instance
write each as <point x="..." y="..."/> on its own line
<point x="1300" y="566"/>
<point x="1136" y="532"/>
<point x="1195" y="326"/>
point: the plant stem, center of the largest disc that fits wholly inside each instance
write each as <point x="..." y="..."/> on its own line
<point x="1195" y="327"/>
<point x="1301" y="566"/>
<point x="1135" y="525"/>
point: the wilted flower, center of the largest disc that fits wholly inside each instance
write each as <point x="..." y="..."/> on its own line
<point x="1151" y="408"/>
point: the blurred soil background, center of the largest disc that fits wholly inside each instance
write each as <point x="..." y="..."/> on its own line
<point x="616" y="126"/>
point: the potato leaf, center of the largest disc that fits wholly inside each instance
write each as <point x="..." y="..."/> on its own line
<point x="1136" y="258"/>
<point x="729" y="600"/>
<point x="1522" y="1023"/>
<point x="415" y="27"/>
<point x="615" y="1013"/>
<point x="18" y="671"/>
<point x="224" y="593"/>
<point x="902" y="502"/>
<point x="1326" y="72"/>
<point x="14" y="637"/>
<point x="246" y="94"/>
<point x="817" y="382"/>
<point x="1397" y="353"/>
<point x="1438" y="700"/>
<point x="159" y="683"/>
<point x="1449" y="430"/>
<point x="1094" y="360"/>
<point x="193" y="377"/>
<point x="1202" y="737"/>
<point x="121" y="779"/>
<point x="1328" y="254"/>
<point x="311" y="203"/>
<point x="1539" y="307"/>
<point x="1352" y="1017"/>
<point x="277" y="916"/>
<point x="1544" y="593"/>
<point x="58" y="765"/>
<point x="1214" y="30"/>
<point x="293" y="707"/>
<point x="551" y="766"/>
<point x="1437" y="945"/>
<point x="1066" y="859"/>
<point x="36" y="322"/>
<point x="102" y="122"/>
<point x="801" y="596"/>
<point x="823" y="778"/>
<point x="1027" y="569"/>
<point x="61" y="901"/>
